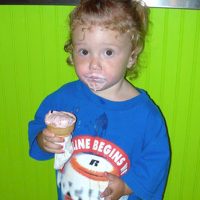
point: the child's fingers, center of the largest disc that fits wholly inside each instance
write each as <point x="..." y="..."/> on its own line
<point x="47" y="133"/>
<point x="108" y="198"/>
<point x="51" y="143"/>
<point x="109" y="176"/>
<point x="107" y="192"/>
<point x="55" y="139"/>
<point x="58" y="139"/>
<point x="51" y="137"/>
<point x="53" y="147"/>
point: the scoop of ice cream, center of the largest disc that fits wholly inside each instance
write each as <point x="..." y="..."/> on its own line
<point x="59" y="119"/>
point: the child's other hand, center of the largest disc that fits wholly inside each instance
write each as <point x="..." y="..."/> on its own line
<point x="49" y="142"/>
<point x="116" y="188"/>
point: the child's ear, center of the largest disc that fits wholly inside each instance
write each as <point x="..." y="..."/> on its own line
<point x="132" y="60"/>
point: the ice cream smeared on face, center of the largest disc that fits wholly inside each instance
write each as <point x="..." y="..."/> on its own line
<point x="95" y="81"/>
<point x="59" y="119"/>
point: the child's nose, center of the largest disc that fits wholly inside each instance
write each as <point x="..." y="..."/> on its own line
<point x="95" y="64"/>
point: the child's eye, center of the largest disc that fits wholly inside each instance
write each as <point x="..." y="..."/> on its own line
<point x="83" y="52"/>
<point x="109" y="52"/>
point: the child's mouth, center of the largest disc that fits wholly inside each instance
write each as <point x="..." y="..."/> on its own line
<point x="95" y="82"/>
<point x="97" y="79"/>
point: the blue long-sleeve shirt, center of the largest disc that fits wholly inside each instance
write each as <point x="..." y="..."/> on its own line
<point x="131" y="135"/>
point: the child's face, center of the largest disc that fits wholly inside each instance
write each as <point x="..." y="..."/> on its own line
<point x="101" y="56"/>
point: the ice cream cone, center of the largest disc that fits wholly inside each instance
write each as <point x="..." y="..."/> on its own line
<point x="61" y="131"/>
<point x="60" y="123"/>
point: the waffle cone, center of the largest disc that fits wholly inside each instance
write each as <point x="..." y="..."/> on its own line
<point x="61" y="131"/>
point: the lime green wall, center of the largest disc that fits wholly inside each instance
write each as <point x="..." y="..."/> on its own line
<point x="32" y="64"/>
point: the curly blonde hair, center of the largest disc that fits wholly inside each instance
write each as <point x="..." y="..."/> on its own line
<point x="120" y="15"/>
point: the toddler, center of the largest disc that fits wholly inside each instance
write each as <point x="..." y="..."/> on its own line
<point x="120" y="143"/>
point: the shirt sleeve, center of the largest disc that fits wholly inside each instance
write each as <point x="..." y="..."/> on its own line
<point x="147" y="175"/>
<point x="34" y="128"/>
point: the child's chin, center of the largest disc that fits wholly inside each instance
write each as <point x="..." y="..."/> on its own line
<point x="95" y="87"/>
